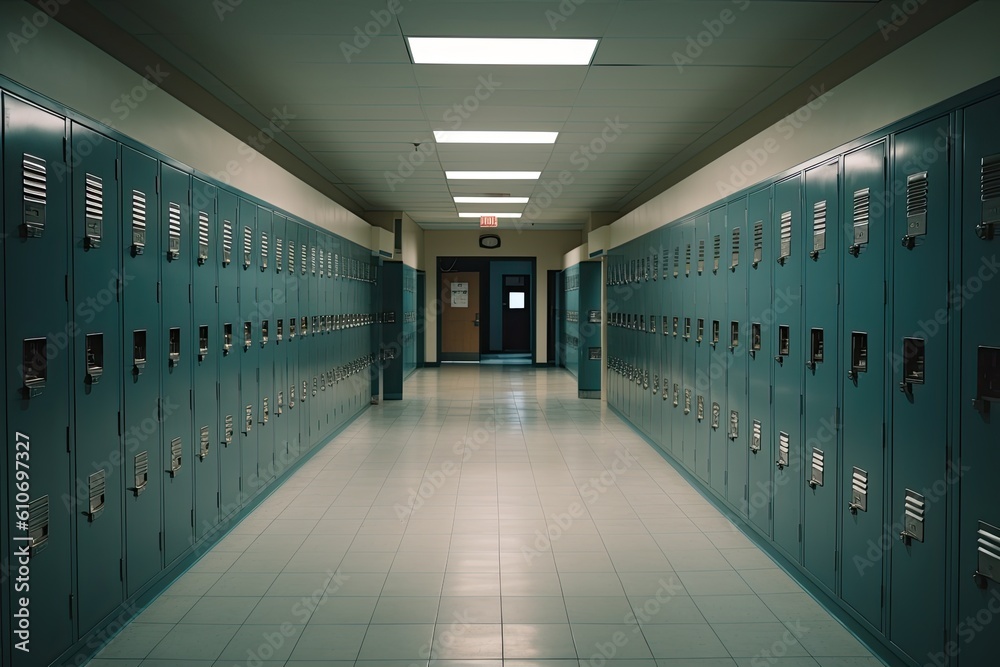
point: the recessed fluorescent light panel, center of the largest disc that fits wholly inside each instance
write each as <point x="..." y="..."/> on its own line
<point x="500" y="51"/>
<point x="474" y="137"/>
<point x="491" y="200"/>
<point x="493" y="175"/>
<point x="498" y="215"/>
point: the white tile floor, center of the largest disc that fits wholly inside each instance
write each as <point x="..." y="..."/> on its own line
<point x="490" y="519"/>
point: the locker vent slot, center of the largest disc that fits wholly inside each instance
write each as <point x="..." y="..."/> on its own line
<point x="913" y="360"/>
<point x="281" y="402"/>
<point x="816" y="350"/>
<point x="783" y="446"/>
<point x="687" y="401"/>
<point x="291" y="256"/>
<point x="138" y="222"/>
<point x="819" y="226"/>
<point x="312" y="259"/>
<point x="715" y="332"/>
<point x="304" y="254"/>
<point x="987" y="378"/>
<point x="818" y="464"/>
<point x="247" y="247"/>
<point x="862" y="215"/>
<point x="291" y="328"/>
<point x="990" y="195"/>
<point x="677" y="394"/>
<point x="784" y="342"/>
<point x="176" y="449"/>
<point x="34" y="365"/>
<point x="916" y="204"/>
<point x="734" y="335"/>
<point x="265" y="412"/>
<point x="227" y="337"/>
<point x="666" y="263"/>
<point x="677" y="261"/>
<point x="666" y="325"/>
<point x="202" y="237"/>
<point x="700" y="412"/>
<point x="202" y="341"/>
<point x="304" y="328"/>
<point x="173" y="230"/>
<point x="700" y="335"/>
<point x="758" y="242"/>
<point x="248" y="421"/>
<point x="716" y="252"/>
<point x="93" y="210"/>
<point x="786" y="236"/>
<point x="174" y="345"/>
<point x="655" y="258"/>
<point x="227" y="242"/>
<point x="228" y="430"/>
<point x="687" y="328"/>
<point x="265" y="327"/>
<point x="859" y="353"/>
<point x="716" y="415"/>
<point x="203" y="443"/>
<point x="988" y="541"/>
<point x="96" y="484"/>
<point x="701" y="257"/>
<point x="322" y="263"/>
<point x="38" y="524"/>
<point x="736" y="248"/>
<point x="35" y="196"/>
<point x="755" y="437"/>
<point x="265" y="248"/>
<point x="140" y="472"/>
<point x="652" y="323"/>
<point x="336" y="265"/>
<point x="734" y="424"/>
<point x="859" y="490"/>
<point x="247" y="335"/>
<point x="138" y="350"/>
<point x="913" y="515"/>
<point x="278" y="252"/>
<point x="755" y="338"/>
<point x="280" y="333"/>
<point x="305" y="390"/>
<point x="687" y="260"/>
<point x="94" y="349"/>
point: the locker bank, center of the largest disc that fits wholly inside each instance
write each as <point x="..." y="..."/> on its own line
<point x="604" y="332"/>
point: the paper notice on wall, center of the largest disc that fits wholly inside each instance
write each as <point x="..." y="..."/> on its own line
<point x="460" y="295"/>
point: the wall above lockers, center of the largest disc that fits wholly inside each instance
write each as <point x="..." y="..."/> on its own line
<point x="63" y="66"/>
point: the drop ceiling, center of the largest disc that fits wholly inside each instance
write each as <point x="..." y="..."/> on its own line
<point x="359" y="105"/>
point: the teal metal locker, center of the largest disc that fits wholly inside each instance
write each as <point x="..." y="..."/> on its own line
<point x="303" y="375"/>
<point x="863" y="364"/>
<point x="688" y="318"/>
<point x="715" y="372"/>
<point x="979" y="529"/>
<point x="228" y="350"/>
<point x="177" y="362"/>
<point x="264" y="325"/>
<point x="36" y="216"/>
<point x="589" y="381"/>
<point x="279" y="275"/>
<point x="248" y="341"/>
<point x="676" y="341"/>
<point x="655" y="307"/>
<point x="392" y="330"/>
<point x="96" y="292"/>
<point x="760" y="348"/>
<point x="206" y="352"/>
<point x="920" y="227"/>
<point x="788" y="364"/>
<point x="143" y="354"/>
<point x="292" y="287"/>
<point x="735" y="339"/>
<point x="701" y="386"/>
<point x="820" y="245"/>
<point x="665" y="338"/>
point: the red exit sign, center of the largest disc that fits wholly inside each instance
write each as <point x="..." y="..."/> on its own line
<point x="487" y="221"/>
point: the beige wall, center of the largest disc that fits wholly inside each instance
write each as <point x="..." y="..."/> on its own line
<point x="547" y="247"/>
<point x="413" y="244"/>
<point x="63" y="66"/>
<point x="949" y="59"/>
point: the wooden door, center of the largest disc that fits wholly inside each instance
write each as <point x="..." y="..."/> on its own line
<point x="460" y="317"/>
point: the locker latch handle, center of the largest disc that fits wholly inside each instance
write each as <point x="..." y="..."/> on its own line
<point x="908" y="242"/>
<point x="812" y="483"/>
<point x="814" y="254"/>
<point x="855" y="249"/>
<point x="853" y="507"/>
<point x="906" y="388"/>
<point x="852" y="375"/>
<point x="780" y="464"/>
<point x="906" y="538"/>
<point x="811" y="365"/>
<point x="780" y="359"/>
<point x="984" y="230"/>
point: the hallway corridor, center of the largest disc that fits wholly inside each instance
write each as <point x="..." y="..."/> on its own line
<point x="492" y="519"/>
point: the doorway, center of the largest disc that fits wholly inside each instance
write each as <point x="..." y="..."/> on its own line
<point x="460" y="322"/>
<point x="516" y="313"/>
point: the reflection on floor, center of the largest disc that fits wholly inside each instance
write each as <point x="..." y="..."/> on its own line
<point x="492" y="519"/>
<point x="507" y="358"/>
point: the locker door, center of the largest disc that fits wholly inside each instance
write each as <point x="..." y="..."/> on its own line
<point x="688" y="315"/>
<point x="788" y="365"/>
<point x="292" y="287"/>
<point x="979" y="536"/>
<point x="177" y="362"/>
<point x="714" y="373"/>
<point x="863" y="365"/>
<point x="317" y="418"/>
<point x="337" y="287"/>
<point x="648" y="338"/>
<point x="701" y="273"/>
<point x="759" y="346"/>
<point x="38" y="369"/>
<point x="820" y="246"/>
<point x="655" y="309"/>
<point x="665" y="339"/>
<point x="920" y="405"/>
<point x="97" y="374"/>
<point x="676" y="343"/>
<point x="264" y="325"/>
<point x="206" y="353"/>
<point x="736" y="343"/>
<point x="143" y="352"/>
<point x="303" y="375"/>
<point x="248" y="340"/>
<point x="228" y="350"/>
<point x="279" y="411"/>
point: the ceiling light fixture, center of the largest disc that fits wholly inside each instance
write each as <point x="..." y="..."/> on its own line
<point x="494" y="137"/>
<point x="500" y="51"/>
<point x="491" y="200"/>
<point x="493" y="175"/>
<point x="498" y="215"/>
